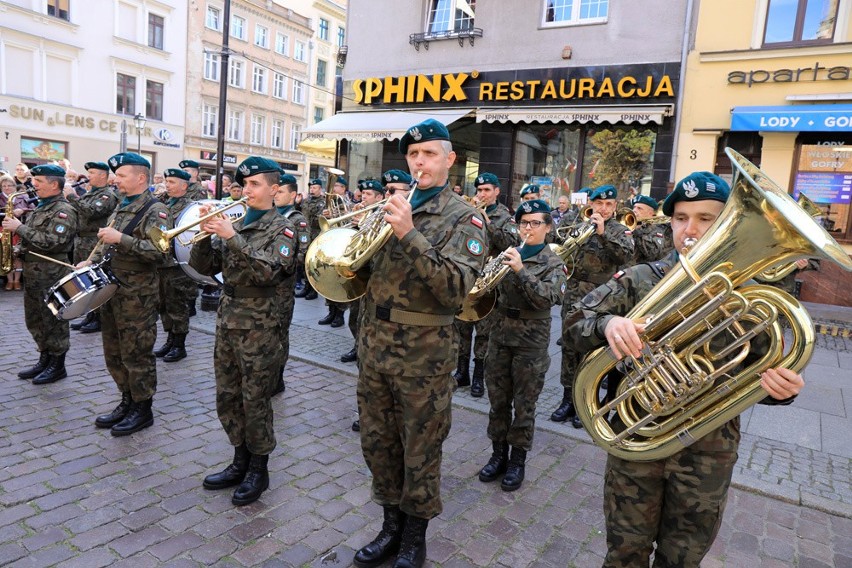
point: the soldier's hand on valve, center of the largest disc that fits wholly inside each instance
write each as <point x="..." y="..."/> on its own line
<point x="622" y="334"/>
<point x="781" y="383"/>
<point x="220" y="226"/>
<point x="398" y="215"/>
<point x="513" y="259"/>
<point x="598" y="221"/>
<point x="11" y="224"/>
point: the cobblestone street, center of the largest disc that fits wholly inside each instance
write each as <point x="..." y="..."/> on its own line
<point x="73" y="495"/>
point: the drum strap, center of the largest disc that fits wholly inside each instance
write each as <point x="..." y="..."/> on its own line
<point x="128" y="230"/>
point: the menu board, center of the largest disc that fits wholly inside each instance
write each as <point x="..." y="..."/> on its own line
<point x="825" y="173"/>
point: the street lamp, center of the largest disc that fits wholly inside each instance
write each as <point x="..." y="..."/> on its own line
<point x="139" y="123"/>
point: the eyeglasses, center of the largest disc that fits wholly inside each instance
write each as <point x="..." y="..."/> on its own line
<point x="533" y="224"/>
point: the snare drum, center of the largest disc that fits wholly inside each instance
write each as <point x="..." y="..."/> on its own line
<point x="82" y="291"/>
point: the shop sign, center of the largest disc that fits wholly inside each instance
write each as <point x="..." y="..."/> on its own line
<point x="287" y="166"/>
<point x="810" y="118"/>
<point x="816" y="73"/>
<point x="825" y="173"/>
<point x="226" y="158"/>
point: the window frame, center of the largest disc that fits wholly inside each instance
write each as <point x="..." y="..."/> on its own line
<point x="432" y="9"/>
<point x="299" y="51"/>
<point x="162" y="28"/>
<point x="279" y="79"/>
<point x="322" y="63"/>
<point x="242" y="27"/>
<point x="207" y="109"/>
<point x="257" y="120"/>
<point x="295" y="135"/>
<point x="127" y="84"/>
<point x="575" y="17"/>
<point x="341" y="36"/>
<point x="298" y="87"/>
<point x="232" y="63"/>
<point x="798" y="28"/>
<point x="285" y="44"/>
<point x="323" y="29"/>
<point x="259" y="72"/>
<point x="278" y="126"/>
<point x="218" y="17"/>
<point x="56" y="5"/>
<point x="212" y="61"/>
<point x="264" y="35"/>
<point x="240" y="117"/>
<point x="154" y="108"/>
<point x="319" y="114"/>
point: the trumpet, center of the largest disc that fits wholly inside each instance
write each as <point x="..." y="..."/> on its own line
<point x="162" y="239"/>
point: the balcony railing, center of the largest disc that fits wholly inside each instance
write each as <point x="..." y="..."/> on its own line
<point x="424" y="38"/>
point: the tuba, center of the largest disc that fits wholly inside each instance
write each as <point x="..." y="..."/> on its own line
<point x="778" y="273"/>
<point x="680" y="389"/>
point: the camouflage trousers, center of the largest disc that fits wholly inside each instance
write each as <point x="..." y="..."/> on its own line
<point x="83" y="247"/>
<point x="570" y="358"/>
<point x="676" y="502"/>
<point x="50" y="334"/>
<point x="129" y="330"/>
<point x="404" y="422"/>
<point x="177" y="290"/>
<point x="480" y="342"/>
<point x="284" y="321"/>
<point x="247" y="364"/>
<point x="354" y="313"/>
<point x="514" y="379"/>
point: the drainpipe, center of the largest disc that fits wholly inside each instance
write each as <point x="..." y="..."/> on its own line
<point x="684" y="53"/>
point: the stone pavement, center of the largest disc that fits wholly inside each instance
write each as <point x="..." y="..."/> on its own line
<point x="72" y="495"/>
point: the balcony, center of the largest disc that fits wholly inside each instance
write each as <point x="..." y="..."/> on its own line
<point x="424" y="38"/>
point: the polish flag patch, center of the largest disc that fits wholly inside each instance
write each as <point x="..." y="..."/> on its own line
<point x="62" y="215"/>
<point x="618" y="274"/>
<point x="476" y="222"/>
<point x="163" y="215"/>
<point x="302" y="224"/>
<point x="288" y="233"/>
<point x="628" y="233"/>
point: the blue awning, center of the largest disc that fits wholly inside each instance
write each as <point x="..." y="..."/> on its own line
<point x="810" y="118"/>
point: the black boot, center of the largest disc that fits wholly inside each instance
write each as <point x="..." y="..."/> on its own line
<point x="412" y="550"/>
<point x="54" y="371"/>
<point x="477" y="386"/>
<point x="80" y="323"/>
<point x="386" y="543"/>
<point x="280" y="386"/>
<point x="117" y="415"/>
<point x="462" y="374"/>
<point x="576" y="422"/>
<point x="178" y="350"/>
<point x="515" y="472"/>
<point x="356" y="426"/>
<point x="497" y="464"/>
<point x="35" y="370"/>
<point x="166" y="347"/>
<point x="255" y="482"/>
<point x="338" y="320"/>
<point x="330" y="317"/>
<point x="300" y="290"/>
<point x="566" y="408"/>
<point x="310" y="293"/>
<point x="94" y="325"/>
<point x="233" y="474"/>
<point x="192" y="311"/>
<point x="349" y="357"/>
<point x="139" y="418"/>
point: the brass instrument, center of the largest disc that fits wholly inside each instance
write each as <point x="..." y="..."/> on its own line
<point x="334" y="258"/>
<point x="162" y="239"/>
<point x="680" y="389"/>
<point x="778" y="273"/>
<point x="326" y="224"/>
<point x="626" y="217"/>
<point x="336" y="205"/>
<point x="474" y="202"/>
<point x="7" y="255"/>
<point x="482" y="298"/>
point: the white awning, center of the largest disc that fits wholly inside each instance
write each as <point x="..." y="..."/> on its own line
<point x="597" y="114"/>
<point x="376" y="125"/>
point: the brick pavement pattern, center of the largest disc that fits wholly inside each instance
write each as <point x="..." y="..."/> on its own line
<point x="72" y="495"/>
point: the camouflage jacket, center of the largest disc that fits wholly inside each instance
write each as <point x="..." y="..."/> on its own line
<point x="537" y="287"/>
<point x="194" y="192"/>
<point x="175" y="209"/>
<point x="303" y="233"/>
<point x="501" y="229"/>
<point x="93" y="209"/>
<point x="568" y="218"/>
<point x="312" y="210"/>
<point x="602" y="255"/>
<point x="50" y="229"/>
<point x="429" y="271"/>
<point x="652" y="242"/>
<point x="256" y="257"/>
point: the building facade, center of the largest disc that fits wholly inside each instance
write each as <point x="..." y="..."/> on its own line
<point x="559" y="93"/>
<point x="75" y="73"/>
<point x="267" y="78"/>
<point x="777" y="87"/>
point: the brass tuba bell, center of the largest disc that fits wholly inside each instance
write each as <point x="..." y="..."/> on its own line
<point x="680" y="389"/>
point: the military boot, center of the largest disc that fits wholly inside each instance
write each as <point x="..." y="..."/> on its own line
<point x="566" y="408"/>
<point x="192" y="311"/>
<point x="255" y="482"/>
<point x="338" y="320"/>
<point x="280" y="386"/>
<point x="178" y="350"/>
<point x="356" y="426"/>
<point x="233" y="474"/>
<point x="80" y="323"/>
<point x="330" y="317"/>
<point x="477" y="386"/>
<point x="386" y="543"/>
<point x="462" y="374"/>
<point x="515" y="472"/>
<point x="35" y="370"/>
<point x="94" y="325"/>
<point x="497" y="464"/>
<point x="166" y="347"/>
<point x="310" y="293"/>
<point x="54" y="371"/>
<point x="117" y="415"/>
<point x="140" y="417"/>
<point x="351" y="356"/>
<point x="412" y="550"/>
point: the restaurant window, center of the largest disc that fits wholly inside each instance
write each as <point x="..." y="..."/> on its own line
<point x="619" y="155"/>
<point x="59" y="9"/>
<point x="125" y="91"/>
<point x="822" y="172"/>
<point x="800" y="22"/>
<point x="749" y="144"/>
<point x="155" y="31"/>
<point x="451" y="15"/>
<point x="548" y="156"/>
<point x="154" y="100"/>
<point x="570" y="12"/>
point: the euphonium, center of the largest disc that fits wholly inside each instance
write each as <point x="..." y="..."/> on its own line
<point x="626" y="217"/>
<point x="7" y="254"/>
<point x="483" y="296"/>
<point x="681" y="389"/>
<point x="778" y="273"/>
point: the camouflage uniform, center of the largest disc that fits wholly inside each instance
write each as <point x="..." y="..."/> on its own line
<point x="49" y="231"/>
<point x="195" y="192"/>
<point x="404" y="384"/>
<point x="177" y="290"/>
<point x="652" y="241"/>
<point x="129" y="319"/>
<point x="596" y="261"/>
<point x="677" y="501"/>
<point x="247" y="356"/>
<point x="287" y="300"/>
<point x="93" y="210"/>
<point x="517" y="353"/>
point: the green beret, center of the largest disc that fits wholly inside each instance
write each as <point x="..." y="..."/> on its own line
<point x="254" y="165"/>
<point x="603" y="192"/>
<point x="531" y="206"/>
<point x="127" y="159"/>
<point x="371" y="184"/>
<point x="697" y="186"/>
<point x="176" y="173"/>
<point x="316" y="181"/>
<point x="287" y="179"/>
<point x="429" y="129"/>
<point x="645" y="200"/>
<point x="341" y="180"/>
<point x="586" y="190"/>
<point x="486" y="178"/>
<point x="531" y="188"/>
<point x="396" y="176"/>
<point x="189" y="164"/>
<point x="50" y="170"/>
<point x="96" y="166"/>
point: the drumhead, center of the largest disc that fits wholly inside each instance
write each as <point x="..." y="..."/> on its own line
<point x="182" y="250"/>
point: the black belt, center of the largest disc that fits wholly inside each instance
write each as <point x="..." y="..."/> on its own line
<point x="130" y="266"/>
<point x="515" y="313"/>
<point x="60" y="256"/>
<point x="403" y="317"/>
<point x="248" y="291"/>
